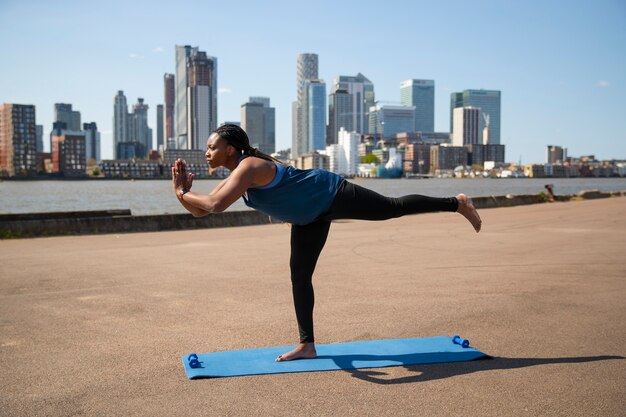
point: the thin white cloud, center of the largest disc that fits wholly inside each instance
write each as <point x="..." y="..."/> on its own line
<point x="224" y="90"/>
<point x="602" y="84"/>
<point x="157" y="50"/>
<point x="133" y="55"/>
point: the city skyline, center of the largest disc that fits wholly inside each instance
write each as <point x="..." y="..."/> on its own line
<point x="561" y="79"/>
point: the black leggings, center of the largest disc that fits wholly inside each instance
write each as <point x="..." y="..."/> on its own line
<point x="352" y="202"/>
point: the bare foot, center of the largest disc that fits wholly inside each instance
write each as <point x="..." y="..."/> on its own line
<point x="302" y="351"/>
<point x="467" y="210"/>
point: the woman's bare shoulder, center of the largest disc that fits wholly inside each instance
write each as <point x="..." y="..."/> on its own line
<point x="255" y="163"/>
<point x="260" y="171"/>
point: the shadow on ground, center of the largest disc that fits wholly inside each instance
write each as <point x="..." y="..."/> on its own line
<point x="436" y="371"/>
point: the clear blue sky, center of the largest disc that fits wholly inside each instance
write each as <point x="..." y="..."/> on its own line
<point x="561" y="65"/>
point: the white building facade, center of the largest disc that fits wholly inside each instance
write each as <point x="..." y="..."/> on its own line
<point x="467" y="129"/>
<point x="348" y="154"/>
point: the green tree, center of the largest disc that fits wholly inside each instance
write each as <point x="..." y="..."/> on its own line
<point x="369" y="159"/>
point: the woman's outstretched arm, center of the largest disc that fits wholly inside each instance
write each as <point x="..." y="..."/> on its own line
<point x="225" y="194"/>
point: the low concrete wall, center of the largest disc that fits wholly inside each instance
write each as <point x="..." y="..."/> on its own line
<point x="85" y="224"/>
<point x="507" y="200"/>
<point x="121" y="221"/>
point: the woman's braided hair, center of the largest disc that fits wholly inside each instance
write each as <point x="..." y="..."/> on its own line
<point x="237" y="137"/>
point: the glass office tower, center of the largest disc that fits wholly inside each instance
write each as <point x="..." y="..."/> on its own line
<point x="421" y="95"/>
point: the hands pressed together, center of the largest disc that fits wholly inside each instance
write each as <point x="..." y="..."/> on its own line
<point x="181" y="179"/>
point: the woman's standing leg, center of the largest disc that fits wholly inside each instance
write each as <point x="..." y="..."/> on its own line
<point x="307" y="243"/>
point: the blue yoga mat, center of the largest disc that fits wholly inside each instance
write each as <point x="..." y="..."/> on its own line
<point x="349" y="355"/>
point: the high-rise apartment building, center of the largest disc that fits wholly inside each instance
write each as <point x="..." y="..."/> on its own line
<point x="180" y="107"/>
<point x="160" y="126"/>
<point x="169" y="98"/>
<point x="466" y="122"/>
<point x="556" y="154"/>
<point x="489" y="101"/>
<point x="92" y="141"/>
<point x="201" y="98"/>
<point x="307" y="69"/>
<point x="18" y="145"/>
<point x="361" y="91"/>
<point x="421" y="95"/>
<point x="388" y="120"/>
<point x="340" y="114"/>
<point x="314" y="115"/>
<point x="68" y="155"/>
<point x="63" y="113"/>
<point x="120" y="122"/>
<point x="258" y="119"/>
<point x="61" y="129"/>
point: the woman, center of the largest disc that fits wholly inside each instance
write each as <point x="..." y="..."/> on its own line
<point x="308" y="199"/>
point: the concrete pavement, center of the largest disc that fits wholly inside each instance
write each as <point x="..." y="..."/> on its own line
<point x="96" y="325"/>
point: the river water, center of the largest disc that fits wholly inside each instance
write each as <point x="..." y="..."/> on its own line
<point x="156" y="196"/>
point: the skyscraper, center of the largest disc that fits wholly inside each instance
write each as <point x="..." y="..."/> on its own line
<point x="160" y="126"/>
<point x="489" y="102"/>
<point x="387" y="120"/>
<point x="307" y="69"/>
<point x="63" y="113"/>
<point x="138" y="127"/>
<point x="556" y="154"/>
<point x="39" y="135"/>
<point x="92" y="141"/>
<point x="201" y="98"/>
<point x="120" y="121"/>
<point x="258" y="119"/>
<point x="314" y="115"/>
<point x="180" y="107"/>
<point x="252" y="122"/>
<point x="265" y="101"/>
<point x="17" y="140"/>
<point x="361" y="91"/>
<point x="421" y="94"/>
<point x="466" y="126"/>
<point x="308" y="65"/>
<point x="340" y="114"/>
<point x="169" y="98"/>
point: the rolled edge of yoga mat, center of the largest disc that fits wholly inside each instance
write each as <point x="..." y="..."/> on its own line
<point x="193" y="361"/>
<point x="460" y="341"/>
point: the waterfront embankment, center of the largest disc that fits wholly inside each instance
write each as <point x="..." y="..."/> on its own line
<point x="97" y="325"/>
<point x="23" y="225"/>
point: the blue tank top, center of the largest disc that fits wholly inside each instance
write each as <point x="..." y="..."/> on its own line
<point x="295" y="196"/>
